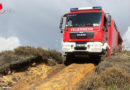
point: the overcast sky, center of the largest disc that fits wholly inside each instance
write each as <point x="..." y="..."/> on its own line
<point x="36" y="22"/>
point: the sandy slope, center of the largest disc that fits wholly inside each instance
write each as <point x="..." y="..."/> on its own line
<point x="54" y="78"/>
<point x="33" y="75"/>
<point x="66" y="79"/>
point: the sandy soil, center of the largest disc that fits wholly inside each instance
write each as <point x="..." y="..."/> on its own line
<point x="43" y="77"/>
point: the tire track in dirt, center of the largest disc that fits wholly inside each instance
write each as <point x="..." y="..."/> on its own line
<point x="68" y="78"/>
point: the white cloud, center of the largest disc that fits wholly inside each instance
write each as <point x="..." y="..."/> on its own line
<point x="126" y="38"/>
<point x="9" y="43"/>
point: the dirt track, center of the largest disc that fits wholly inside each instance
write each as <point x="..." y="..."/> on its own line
<point x="55" y="79"/>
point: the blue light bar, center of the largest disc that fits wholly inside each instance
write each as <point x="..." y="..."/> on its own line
<point x="98" y="7"/>
<point x="73" y="9"/>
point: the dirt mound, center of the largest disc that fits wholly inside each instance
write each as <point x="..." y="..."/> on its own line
<point x="34" y="75"/>
<point x="28" y="68"/>
<point x="66" y="78"/>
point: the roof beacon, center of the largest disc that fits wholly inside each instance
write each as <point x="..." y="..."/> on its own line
<point x="97" y="7"/>
<point x="85" y="8"/>
<point x="73" y="9"/>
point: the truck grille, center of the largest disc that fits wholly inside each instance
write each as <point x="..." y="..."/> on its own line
<point x="81" y="35"/>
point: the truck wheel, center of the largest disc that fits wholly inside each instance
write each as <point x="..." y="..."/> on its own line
<point x="95" y="59"/>
<point x="69" y="59"/>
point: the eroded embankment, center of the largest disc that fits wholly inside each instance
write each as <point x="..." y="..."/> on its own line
<point x="34" y="75"/>
<point x="36" y="68"/>
<point x="65" y="78"/>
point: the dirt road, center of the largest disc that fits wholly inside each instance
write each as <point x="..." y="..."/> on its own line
<point x="66" y="79"/>
<point x="62" y="78"/>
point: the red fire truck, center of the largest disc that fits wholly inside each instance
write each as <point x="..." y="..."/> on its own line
<point x="89" y="31"/>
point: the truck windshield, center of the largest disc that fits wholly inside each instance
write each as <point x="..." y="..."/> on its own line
<point x="84" y="19"/>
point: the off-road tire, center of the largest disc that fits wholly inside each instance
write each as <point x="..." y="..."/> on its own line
<point x="69" y="59"/>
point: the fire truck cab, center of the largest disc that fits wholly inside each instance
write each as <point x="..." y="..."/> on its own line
<point x="89" y="30"/>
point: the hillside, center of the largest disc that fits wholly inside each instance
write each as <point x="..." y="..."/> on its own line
<point x="21" y="58"/>
<point x="111" y="74"/>
<point x="36" y="68"/>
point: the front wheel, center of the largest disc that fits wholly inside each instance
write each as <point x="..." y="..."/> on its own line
<point x="69" y="59"/>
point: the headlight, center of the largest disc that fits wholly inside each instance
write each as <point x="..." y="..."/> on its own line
<point x="66" y="45"/>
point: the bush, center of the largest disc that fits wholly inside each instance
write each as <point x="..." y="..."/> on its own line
<point x="111" y="79"/>
<point x="45" y="54"/>
<point x="24" y="56"/>
<point x="120" y="60"/>
<point x="111" y="74"/>
<point x="115" y="77"/>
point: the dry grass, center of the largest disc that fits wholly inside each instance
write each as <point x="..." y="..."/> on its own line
<point x="23" y="57"/>
<point x="111" y="74"/>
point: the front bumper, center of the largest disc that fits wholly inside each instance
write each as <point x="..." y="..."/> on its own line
<point x="90" y="47"/>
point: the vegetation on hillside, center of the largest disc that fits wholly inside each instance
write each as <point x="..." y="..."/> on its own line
<point x="22" y="57"/>
<point x="111" y="74"/>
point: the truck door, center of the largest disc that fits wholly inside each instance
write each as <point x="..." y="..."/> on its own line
<point x="105" y="31"/>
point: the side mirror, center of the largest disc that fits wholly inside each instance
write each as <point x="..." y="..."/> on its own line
<point x="109" y="20"/>
<point x="61" y="23"/>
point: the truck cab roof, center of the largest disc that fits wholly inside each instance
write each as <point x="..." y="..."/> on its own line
<point x="86" y="9"/>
